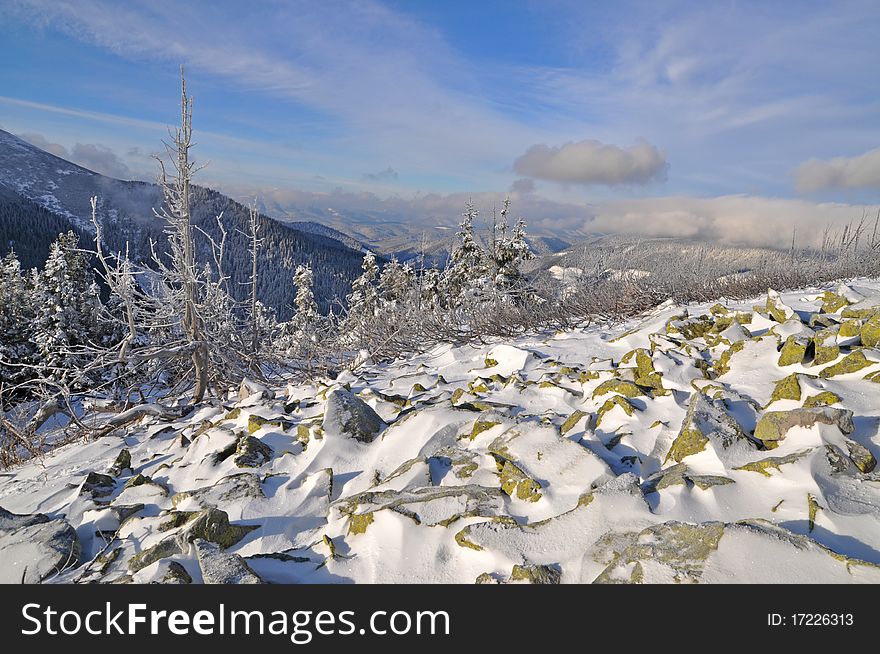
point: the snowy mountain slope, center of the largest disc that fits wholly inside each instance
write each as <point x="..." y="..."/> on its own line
<point x="723" y="443"/>
<point x="126" y="213"/>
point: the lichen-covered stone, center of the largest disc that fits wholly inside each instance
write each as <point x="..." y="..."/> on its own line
<point x="852" y="362"/>
<point x="832" y="302"/>
<point x="255" y="423"/>
<point x="358" y="523"/>
<point x="678" y="547"/>
<point x="644" y="374"/>
<point x="861" y="457"/>
<point x="707" y="420"/>
<point x="516" y="483"/>
<point x="813" y="509"/>
<point x="774" y="425"/>
<point x="870" y="332"/>
<point x="33" y="547"/>
<point x="610" y="403"/>
<point x="176" y="574"/>
<point x="793" y="350"/>
<point x="763" y="466"/>
<point x="619" y="386"/>
<point x="482" y="425"/>
<point x="213" y="525"/>
<point x="825" y="347"/>
<point x="536" y="574"/>
<point x="348" y="415"/>
<point x="220" y="567"/>
<point x="97" y="485"/>
<point x="825" y="398"/>
<point x="120" y="464"/>
<point x="571" y="421"/>
<point x="787" y="388"/>
<point x="251" y="452"/>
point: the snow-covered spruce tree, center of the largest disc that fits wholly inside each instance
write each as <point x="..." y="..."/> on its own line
<point x="17" y="311"/>
<point x="363" y="304"/>
<point x="67" y="305"/>
<point x="510" y="253"/>
<point x="395" y="283"/>
<point x="468" y="263"/>
<point x="299" y="337"/>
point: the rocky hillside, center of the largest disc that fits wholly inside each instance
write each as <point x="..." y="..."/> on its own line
<point x="29" y="175"/>
<point x="723" y="443"/>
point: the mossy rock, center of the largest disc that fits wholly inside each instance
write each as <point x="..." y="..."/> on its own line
<point x="861" y="457"/>
<point x="862" y="313"/>
<point x="482" y="425"/>
<point x="97" y="485"/>
<point x="176" y="519"/>
<point x="516" y="483"/>
<point x="691" y="328"/>
<point x="813" y="509"/>
<point x="787" y="388"/>
<point x="213" y="526"/>
<point x="571" y="421"/>
<point x="706" y="420"/>
<point x="176" y="574"/>
<point x="161" y="550"/>
<point x="255" y="423"/>
<point x="490" y="362"/>
<point x="825" y="398"/>
<point x="852" y="362"/>
<point x="772" y="463"/>
<point x="832" y="302"/>
<point x="619" y="386"/>
<point x="774" y="425"/>
<point x="722" y="366"/>
<point x="793" y="350"/>
<point x="870" y="332"/>
<point x="141" y="480"/>
<point x="825" y="347"/>
<point x="536" y="574"/>
<point x="679" y="547"/>
<point x="251" y="452"/>
<point x="358" y="523"/>
<point x="850" y="328"/>
<point x="121" y="464"/>
<point x="610" y="403"/>
<point x="645" y="373"/>
<point x="456" y="395"/>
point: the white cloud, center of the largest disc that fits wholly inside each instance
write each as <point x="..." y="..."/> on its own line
<point x="734" y="220"/>
<point x="592" y="162"/>
<point x="101" y="159"/>
<point x="44" y="144"/>
<point x="386" y="175"/>
<point x="858" y="172"/>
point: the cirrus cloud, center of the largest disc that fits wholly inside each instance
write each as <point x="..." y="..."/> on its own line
<point x="858" y="172"/>
<point x="592" y="162"/>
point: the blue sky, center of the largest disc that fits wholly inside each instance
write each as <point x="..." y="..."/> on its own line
<point x="586" y="106"/>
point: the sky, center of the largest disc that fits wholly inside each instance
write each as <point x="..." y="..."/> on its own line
<point x="669" y="119"/>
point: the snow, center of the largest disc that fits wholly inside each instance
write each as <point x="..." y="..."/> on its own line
<point x="426" y="500"/>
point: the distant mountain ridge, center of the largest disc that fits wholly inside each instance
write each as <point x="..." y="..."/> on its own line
<point x="126" y="213"/>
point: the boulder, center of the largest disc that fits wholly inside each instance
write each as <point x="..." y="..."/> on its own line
<point x="251" y="452"/>
<point x="220" y="567"/>
<point x="707" y="421"/>
<point x="121" y="464"/>
<point x="34" y="547"/>
<point x="774" y="425"/>
<point x="348" y="415"/>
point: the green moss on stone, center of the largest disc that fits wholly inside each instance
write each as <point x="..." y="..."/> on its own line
<point x="358" y="523"/>
<point x="825" y="398"/>
<point x="852" y="362"/>
<point x="571" y="421"/>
